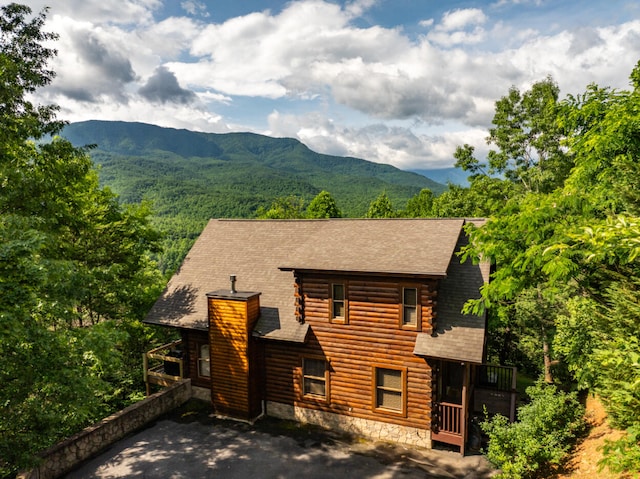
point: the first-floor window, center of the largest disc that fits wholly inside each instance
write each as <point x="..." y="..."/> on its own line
<point x="314" y="378"/>
<point x="204" y="361"/>
<point x="389" y="389"/>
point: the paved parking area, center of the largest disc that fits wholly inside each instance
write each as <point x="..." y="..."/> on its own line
<point x="192" y="444"/>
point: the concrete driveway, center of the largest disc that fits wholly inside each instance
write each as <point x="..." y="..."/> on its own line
<point x="190" y="443"/>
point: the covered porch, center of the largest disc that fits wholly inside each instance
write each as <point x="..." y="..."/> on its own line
<point x="464" y="390"/>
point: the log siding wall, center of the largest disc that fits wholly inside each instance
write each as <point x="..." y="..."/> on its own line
<point x="372" y="337"/>
<point x="193" y="339"/>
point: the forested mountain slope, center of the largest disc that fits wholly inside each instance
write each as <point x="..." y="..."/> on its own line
<point x="190" y="177"/>
<point x="231" y="175"/>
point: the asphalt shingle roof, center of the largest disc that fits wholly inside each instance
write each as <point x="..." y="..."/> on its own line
<point x="262" y="253"/>
<point x="458" y="337"/>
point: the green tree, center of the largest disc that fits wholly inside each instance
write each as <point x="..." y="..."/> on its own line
<point x="283" y="208"/>
<point x="516" y="240"/>
<point x="323" y="206"/>
<point x="70" y="253"/>
<point x="528" y="137"/>
<point x="420" y="206"/>
<point x="582" y="239"/>
<point x="381" y="207"/>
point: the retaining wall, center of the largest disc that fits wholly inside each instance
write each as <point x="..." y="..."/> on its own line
<point x="64" y="456"/>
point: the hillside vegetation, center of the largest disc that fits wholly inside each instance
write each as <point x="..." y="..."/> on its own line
<point x="560" y="189"/>
<point x="190" y="177"/>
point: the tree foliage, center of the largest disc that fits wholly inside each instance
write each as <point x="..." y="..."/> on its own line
<point x="381" y="207"/>
<point x="546" y="429"/>
<point x="283" y="208"/>
<point x="528" y="137"/>
<point x="323" y="206"/>
<point x="70" y="255"/>
<point x="571" y="234"/>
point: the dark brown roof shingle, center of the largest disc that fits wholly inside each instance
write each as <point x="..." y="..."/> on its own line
<point x="262" y="253"/>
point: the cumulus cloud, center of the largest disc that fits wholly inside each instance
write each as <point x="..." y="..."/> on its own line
<point x="163" y="87"/>
<point x="94" y="70"/>
<point x="318" y="54"/>
<point x="584" y="39"/>
<point x="461" y="19"/>
<point x="123" y="12"/>
<point x="401" y="146"/>
<point x="462" y="26"/>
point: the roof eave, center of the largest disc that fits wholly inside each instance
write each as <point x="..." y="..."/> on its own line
<point x="350" y="272"/>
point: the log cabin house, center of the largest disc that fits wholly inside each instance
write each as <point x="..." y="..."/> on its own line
<point x="351" y="324"/>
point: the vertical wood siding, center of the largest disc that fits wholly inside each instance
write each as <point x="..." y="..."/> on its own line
<point x="233" y="384"/>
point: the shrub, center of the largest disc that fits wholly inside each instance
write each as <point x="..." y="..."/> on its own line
<point x="545" y="431"/>
<point x="623" y="455"/>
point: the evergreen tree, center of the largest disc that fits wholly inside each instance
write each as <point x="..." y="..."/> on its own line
<point x="381" y="207"/>
<point x="323" y="206"/>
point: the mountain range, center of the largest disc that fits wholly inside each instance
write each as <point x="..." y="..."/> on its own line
<point x="190" y="176"/>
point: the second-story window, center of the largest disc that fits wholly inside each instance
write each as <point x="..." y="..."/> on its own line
<point x="410" y="307"/>
<point x="338" y="312"/>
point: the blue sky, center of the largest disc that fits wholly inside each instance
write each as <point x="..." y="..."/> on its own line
<point x="393" y="81"/>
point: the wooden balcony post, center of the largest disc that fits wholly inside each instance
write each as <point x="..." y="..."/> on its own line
<point x="145" y="369"/>
<point x="465" y="408"/>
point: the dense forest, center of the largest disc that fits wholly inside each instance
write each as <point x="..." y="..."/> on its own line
<point x="560" y="189"/>
<point x="75" y="271"/>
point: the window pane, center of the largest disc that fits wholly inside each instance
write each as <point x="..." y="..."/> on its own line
<point x="410" y="306"/>
<point x="314" y="367"/>
<point x="338" y="292"/>
<point x="314" y="386"/>
<point x="390" y="399"/>
<point x="410" y="315"/>
<point x="410" y="296"/>
<point x="204" y="368"/>
<point x="338" y="309"/>
<point x="204" y="351"/>
<point x="389" y="379"/>
<point x="314" y="382"/>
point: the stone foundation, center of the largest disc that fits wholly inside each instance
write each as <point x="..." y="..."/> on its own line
<point x="376" y="430"/>
<point x="64" y="456"/>
<point x="202" y="394"/>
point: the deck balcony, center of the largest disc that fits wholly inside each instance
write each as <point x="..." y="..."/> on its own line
<point x="163" y="365"/>
<point x="491" y="388"/>
<point x="495" y="390"/>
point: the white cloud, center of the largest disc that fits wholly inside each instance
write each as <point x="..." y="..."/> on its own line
<point x="462" y="26"/>
<point x="502" y="3"/>
<point x="312" y="52"/>
<point x="461" y="19"/>
<point x="194" y="7"/>
<point x="400" y="146"/>
<point x="122" y="12"/>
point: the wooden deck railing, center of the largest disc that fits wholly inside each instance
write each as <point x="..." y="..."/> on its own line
<point x="449" y="418"/>
<point x="502" y="378"/>
<point x="162" y="366"/>
<point x="495" y="390"/>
